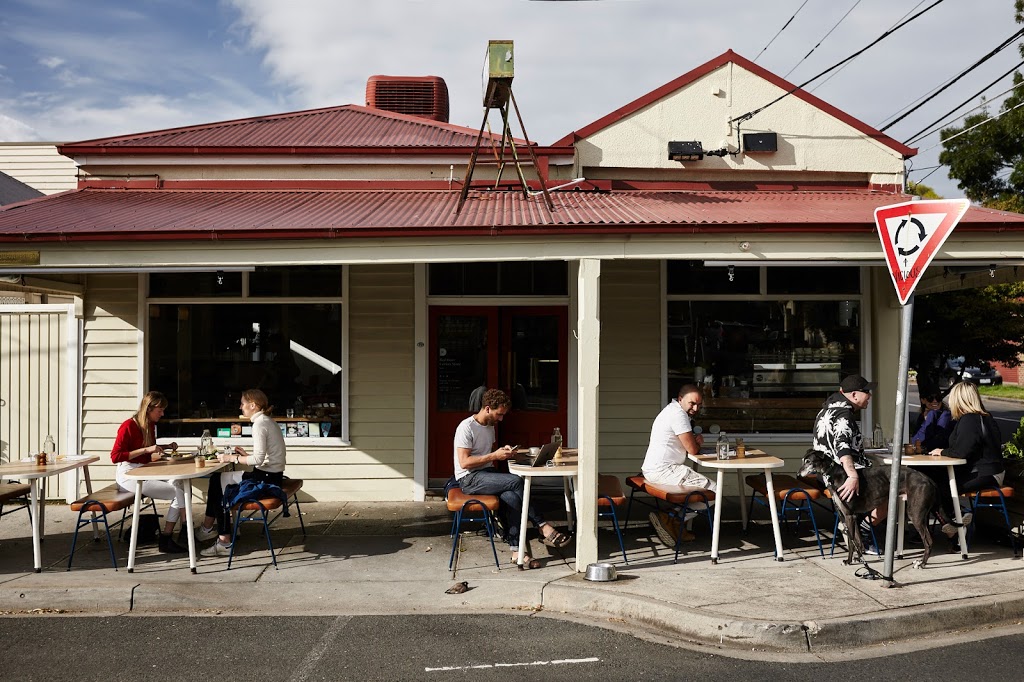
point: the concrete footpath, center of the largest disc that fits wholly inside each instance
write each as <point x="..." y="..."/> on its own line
<point x="392" y="558"/>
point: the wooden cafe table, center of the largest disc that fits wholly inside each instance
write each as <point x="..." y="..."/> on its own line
<point x="169" y="470"/>
<point x="36" y="474"/>
<point x="755" y="460"/>
<point x="566" y="468"/>
<point x="930" y="461"/>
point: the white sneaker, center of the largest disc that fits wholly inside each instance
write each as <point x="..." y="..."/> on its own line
<point x="216" y="549"/>
<point x="204" y="533"/>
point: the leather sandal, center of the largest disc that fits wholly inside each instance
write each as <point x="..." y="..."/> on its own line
<point x="529" y="563"/>
<point x="558" y="540"/>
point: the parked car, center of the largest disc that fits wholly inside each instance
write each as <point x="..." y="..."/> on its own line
<point x="983" y="375"/>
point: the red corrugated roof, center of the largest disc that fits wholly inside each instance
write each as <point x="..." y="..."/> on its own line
<point x="343" y="127"/>
<point x="716" y="63"/>
<point x="139" y="215"/>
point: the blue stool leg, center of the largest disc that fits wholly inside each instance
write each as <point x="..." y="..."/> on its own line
<point x="490" y="534"/>
<point x="74" y="540"/>
<point x="615" y="524"/>
<point x="457" y="526"/>
<point x="234" y="537"/>
<point x="266" y="531"/>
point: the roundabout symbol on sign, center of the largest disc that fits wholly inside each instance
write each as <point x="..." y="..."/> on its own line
<point x="920" y="236"/>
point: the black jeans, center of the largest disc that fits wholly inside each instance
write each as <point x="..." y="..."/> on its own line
<point x="966" y="482"/>
<point x="215" y="494"/>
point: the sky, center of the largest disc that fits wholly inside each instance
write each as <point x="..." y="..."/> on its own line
<point x="72" y="71"/>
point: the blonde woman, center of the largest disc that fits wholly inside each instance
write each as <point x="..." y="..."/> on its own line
<point x="975" y="437"/>
<point x="267" y="460"/>
<point x="134" y="446"/>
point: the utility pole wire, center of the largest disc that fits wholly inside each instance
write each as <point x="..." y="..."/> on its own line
<point x="935" y="126"/>
<point x="847" y="64"/>
<point x="967" y="130"/>
<point x="750" y="114"/>
<point x="784" y="26"/>
<point x="1002" y="46"/>
<point x="822" y="39"/>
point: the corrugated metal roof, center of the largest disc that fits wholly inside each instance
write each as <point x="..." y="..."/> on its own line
<point x="138" y="215"/>
<point x="343" y="126"/>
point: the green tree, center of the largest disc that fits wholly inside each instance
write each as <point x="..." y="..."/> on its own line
<point x="988" y="161"/>
<point x="921" y="190"/>
<point x="980" y="324"/>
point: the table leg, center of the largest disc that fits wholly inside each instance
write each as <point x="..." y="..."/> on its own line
<point x="743" y="499"/>
<point x="33" y="497"/>
<point x="188" y="525"/>
<point x="716" y="529"/>
<point x="772" y="506"/>
<point x="88" y="489"/>
<point x="135" y="527"/>
<point x="522" y="519"/>
<point x="569" y="511"/>
<point x="901" y="525"/>
<point x="960" y="530"/>
<point x="42" y="508"/>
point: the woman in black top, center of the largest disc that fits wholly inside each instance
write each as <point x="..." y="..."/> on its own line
<point x="975" y="437"/>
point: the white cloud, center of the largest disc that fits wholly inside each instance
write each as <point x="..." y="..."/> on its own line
<point x="12" y="130"/>
<point x="51" y="62"/>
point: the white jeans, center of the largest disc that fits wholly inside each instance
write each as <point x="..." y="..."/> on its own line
<point x="682" y="475"/>
<point x="158" y="490"/>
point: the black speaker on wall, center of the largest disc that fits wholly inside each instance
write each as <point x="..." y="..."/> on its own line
<point x="760" y="142"/>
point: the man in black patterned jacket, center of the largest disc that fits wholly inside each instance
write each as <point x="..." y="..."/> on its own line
<point x="837" y="434"/>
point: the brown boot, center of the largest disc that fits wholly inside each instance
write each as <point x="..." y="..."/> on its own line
<point x="668" y="529"/>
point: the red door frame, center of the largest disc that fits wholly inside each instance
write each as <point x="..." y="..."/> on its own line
<point x="535" y="426"/>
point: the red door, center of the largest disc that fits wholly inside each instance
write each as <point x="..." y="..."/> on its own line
<point x="517" y="349"/>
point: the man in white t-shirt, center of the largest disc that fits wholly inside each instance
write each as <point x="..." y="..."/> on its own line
<point x="672" y="439"/>
<point x="475" y="472"/>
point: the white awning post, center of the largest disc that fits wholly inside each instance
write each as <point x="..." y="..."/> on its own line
<point x="588" y="330"/>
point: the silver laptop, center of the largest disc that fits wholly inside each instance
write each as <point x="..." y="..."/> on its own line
<point x="547" y="452"/>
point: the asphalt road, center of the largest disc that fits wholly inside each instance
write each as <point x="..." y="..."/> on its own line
<point x="1007" y="413"/>
<point x="443" y="648"/>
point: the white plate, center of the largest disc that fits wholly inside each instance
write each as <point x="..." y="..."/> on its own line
<point x="75" y="458"/>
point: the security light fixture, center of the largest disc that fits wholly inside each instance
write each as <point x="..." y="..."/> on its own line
<point x="685" y="151"/>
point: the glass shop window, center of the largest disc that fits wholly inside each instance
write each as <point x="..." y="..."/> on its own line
<point x="514" y="278"/>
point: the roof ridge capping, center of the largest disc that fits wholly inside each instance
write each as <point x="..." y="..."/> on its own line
<point x="707" y="67"/>
<point x="148" y="136"/>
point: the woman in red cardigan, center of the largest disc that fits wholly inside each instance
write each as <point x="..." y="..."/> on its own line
<point x="134" y="446"/>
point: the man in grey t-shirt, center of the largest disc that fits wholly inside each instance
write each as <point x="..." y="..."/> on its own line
<point x="474" y="470"/>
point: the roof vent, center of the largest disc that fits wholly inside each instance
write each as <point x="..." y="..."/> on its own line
<point x="425" y="96"/>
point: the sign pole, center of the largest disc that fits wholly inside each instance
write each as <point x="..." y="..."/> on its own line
<point x="911" y="233"/>
<point x="906" y="325"/>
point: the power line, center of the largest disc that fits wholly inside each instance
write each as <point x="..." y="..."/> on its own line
<point x="750" y="114"/>
<point x="1002" y="46"/>
<point x="823" y="39"/>
<point x="935" y="126"/>
<point x="920" y="2"/>
<point x="784" y="26"/>
<point x="967" y="130"/>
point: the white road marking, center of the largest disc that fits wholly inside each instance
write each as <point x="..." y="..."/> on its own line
<point x="563" y="661"/>
<point x="317" y="652"/>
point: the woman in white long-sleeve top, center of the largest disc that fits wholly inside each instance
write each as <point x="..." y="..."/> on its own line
<point x="267" y="460"/>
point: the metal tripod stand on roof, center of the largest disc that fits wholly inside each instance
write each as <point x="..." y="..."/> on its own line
<point x="498" y="96"/>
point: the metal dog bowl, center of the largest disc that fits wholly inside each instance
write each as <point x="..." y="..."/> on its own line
<point x="601" y="573"/>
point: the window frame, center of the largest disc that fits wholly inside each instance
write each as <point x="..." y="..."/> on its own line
<point x="343" y="438"/>
<point x="862" y="297"/>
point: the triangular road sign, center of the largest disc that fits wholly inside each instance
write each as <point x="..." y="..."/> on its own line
<point x="911" y="234"/>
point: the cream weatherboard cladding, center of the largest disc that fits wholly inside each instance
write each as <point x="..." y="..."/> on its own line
<point x="111" y="349"/>
<point x="630" y="389"/>
<point x="39" y="166"/>
<point x="34" y="376"/>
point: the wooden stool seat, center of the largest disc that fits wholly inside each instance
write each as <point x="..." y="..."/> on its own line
<point x="784" y="485"/>
<point x="111" y="498"/>
<point x="13" y="491"/>
<point x="259" y="510"/>
<point x="457" y="500"/>
<point x="1006" y="490"/>
<point x="290" y="486"/>
<point x="609" y="491"/>
<point x="673" y="494"/>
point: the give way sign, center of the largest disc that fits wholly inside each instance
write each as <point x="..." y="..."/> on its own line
<point x="911" y="234"/>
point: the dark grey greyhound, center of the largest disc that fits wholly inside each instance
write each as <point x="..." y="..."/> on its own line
<point x="873" y="492"/>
